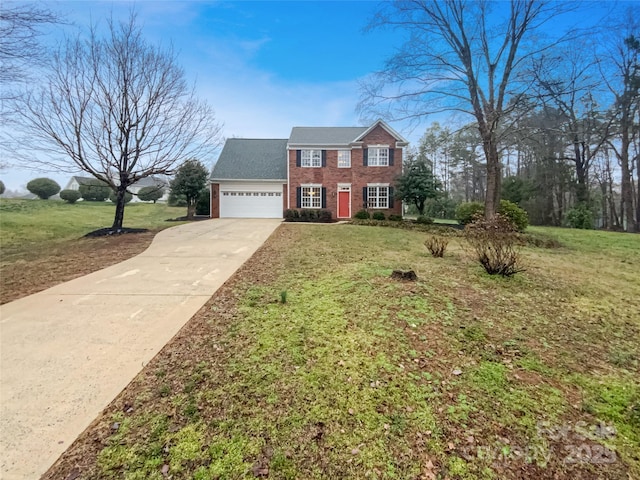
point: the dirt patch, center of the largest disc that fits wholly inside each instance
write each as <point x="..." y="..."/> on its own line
<point x="107" y="232"/>
<point x="44" y="269"/>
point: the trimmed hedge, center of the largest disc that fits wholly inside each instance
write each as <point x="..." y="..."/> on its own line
<point x="362" y="215"/>
<point x="43" y="187"/>
<point x="127" y="197"/>
<point x="469" y="212"/>
<point x="70" y="196"/>
<point x="424" y="220"/>
<point x="516" y="215"/>
<point x="308" y="215"/>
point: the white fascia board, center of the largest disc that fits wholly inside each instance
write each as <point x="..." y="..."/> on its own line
<point x="249" y="180"/>
<point x="321" y="146"/>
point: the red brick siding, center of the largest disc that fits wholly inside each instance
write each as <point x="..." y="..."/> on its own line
<point x="215" y="200"/>
<point x="284" y="198"/>
<point x="358" y="175"/>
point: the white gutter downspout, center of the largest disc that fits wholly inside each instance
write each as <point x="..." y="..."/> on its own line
<point x="288" y="181"/>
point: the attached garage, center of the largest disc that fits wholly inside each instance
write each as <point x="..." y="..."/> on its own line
<point x="249" y="179"/>
<point x="250" y="200"/>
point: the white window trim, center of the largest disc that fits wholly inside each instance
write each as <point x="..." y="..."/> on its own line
<point x="312" y="197"/>
<point x="377" y="164"/>
<point x="347" y="152"/>
<point x="310" y="160"/>
<point x="377" y="186"/>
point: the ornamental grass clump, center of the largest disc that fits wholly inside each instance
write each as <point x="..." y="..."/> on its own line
<point x="437" y="245"/>
<point x="494" y="243"/>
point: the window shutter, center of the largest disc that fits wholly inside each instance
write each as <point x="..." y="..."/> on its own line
<point x="324" y="159"/>
<point x="390" y="193"/>
<point x="365" y="156"/>
<point x="298" y="195"/>
<point x="365" y="199"/>
<point x="391" y="150"/>
<point x="298" y="159"/>
<point x="323" y="196"/>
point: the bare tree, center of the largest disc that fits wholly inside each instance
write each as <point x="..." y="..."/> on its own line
<point x="461" y="56"/>
<point x="119" y="109"/>
<point x="566" y="81"/>
<point x="624" y="83"/>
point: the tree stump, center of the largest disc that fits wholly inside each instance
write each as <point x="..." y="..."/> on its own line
<point x="409" y="276"/>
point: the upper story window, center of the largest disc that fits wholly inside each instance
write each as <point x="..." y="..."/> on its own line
<point x="311" y="158"/>
<point x="378" y="157"/>
<point x="344" y="158"/>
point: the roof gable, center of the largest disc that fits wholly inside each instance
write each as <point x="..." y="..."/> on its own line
<point x="380" y="123"/>
<point x="252" y="159"/>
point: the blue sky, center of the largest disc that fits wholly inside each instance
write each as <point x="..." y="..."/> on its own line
<point x="264" y="66"/>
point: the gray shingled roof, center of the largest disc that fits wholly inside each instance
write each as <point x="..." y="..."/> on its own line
<point x="248" y="159"/>
<point x="144" y="182"/>
<point x="325" y="135"/>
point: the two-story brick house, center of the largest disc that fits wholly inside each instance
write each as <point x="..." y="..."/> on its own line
<point x="342" y="169"/>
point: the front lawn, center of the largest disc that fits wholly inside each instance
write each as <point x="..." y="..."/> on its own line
<point x="42" y="241"/>
<point x="459" y="375"/>
<point x="34" y="225"/>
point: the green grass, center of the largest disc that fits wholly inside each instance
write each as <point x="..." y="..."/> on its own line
<point x="459" y="375"/>
<point x="29" y="224"/>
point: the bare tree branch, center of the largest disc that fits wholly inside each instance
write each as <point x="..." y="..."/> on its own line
<point x="461" y="56"/>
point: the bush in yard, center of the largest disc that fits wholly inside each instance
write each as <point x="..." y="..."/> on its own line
<point x="127" y="197"/>
<point x="395" y="218"/>
<point x="291" y="215"/>
<point x="70" y="196"/>
<point x="362" y="215"/>
<point x="324" y="216"/>
<point x="190" y="181"/>
<point x="151" y="194"/>
<point x="494" y="244"/>
<point x="308" y="215"/>
<point x="43" y="187"/>
<point x="378" y="216"/>
<point x="94" y="191"/>
<point x="203" y="205"/>
<point x="516" y="215"/>
<point x="176" y="200"/>
<point x="468" y="212"/>
<point x="580" y="217"/>
<point x="1" y="187"/>
<point x="424" y="220"/>
<point x="437" y="245"/>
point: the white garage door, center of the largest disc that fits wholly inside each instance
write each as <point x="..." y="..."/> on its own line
<point x="251" y="201"/>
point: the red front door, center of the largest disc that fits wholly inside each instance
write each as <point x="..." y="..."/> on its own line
<point x="344" y="204"/>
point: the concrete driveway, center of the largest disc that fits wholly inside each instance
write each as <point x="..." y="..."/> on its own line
<point x="66" y="352"/>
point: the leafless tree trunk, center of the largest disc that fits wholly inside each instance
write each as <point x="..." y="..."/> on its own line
<point x="119" y="109"/>
<point x="566" y="81"/>
<point x="460" y="57"/>
<point x="625" y="55"/>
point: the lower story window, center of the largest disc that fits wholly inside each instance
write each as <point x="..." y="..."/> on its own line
<point x="378" y="197"/>
<point x="311" y="197"/>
